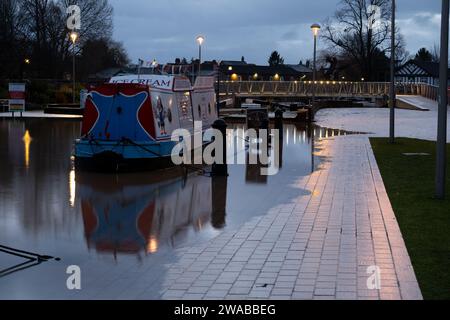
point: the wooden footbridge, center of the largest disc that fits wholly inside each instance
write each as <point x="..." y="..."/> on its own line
<point x="323" y="89"/>
<point x="328" y="93"/>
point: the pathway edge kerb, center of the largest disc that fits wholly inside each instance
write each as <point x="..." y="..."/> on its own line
<point x="409" y="287"/>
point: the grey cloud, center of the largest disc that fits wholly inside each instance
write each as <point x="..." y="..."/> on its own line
<point x="166" y="29"/>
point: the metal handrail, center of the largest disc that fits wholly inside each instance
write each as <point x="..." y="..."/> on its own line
<point x="325" y="88"/>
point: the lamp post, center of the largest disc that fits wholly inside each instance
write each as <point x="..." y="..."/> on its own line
<point x="200" y="40"/>
<point x="441" y="144"/>
<point x="315" y="29"/>
<point x="24" y="68"/>
<point x="154" y="64"/>
<point x="392" y="85"/>
<point x="218" y="88"/>
<point x="73" y="38"/>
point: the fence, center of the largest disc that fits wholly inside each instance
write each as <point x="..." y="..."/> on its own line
<point x="324" y="89"/>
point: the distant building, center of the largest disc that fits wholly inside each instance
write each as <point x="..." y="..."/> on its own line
<point x="243" y="71"/>
<point x="417" y="71"/>
<point x="229" y="70"/>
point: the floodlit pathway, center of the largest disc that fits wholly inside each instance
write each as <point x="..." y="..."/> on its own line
<point x="320" y="246"/>
<point x="408" y="123"/>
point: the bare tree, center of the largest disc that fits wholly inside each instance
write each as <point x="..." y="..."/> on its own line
<point x="360" y="30"/>
<point x="435" y="53"/>
<point x="96" y="18"/>
<point x="10" y="52"/>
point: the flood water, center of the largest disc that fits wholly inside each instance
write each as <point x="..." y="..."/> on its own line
<point x="106" y="220"/>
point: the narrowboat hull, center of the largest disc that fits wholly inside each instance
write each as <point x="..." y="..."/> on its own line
<point x="109" y="157"/>
<point x="128" y="126"/>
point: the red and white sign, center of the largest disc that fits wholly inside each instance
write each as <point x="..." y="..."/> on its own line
<point x="16" y="97"/>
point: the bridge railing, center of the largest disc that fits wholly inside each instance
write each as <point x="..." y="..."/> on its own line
<point x="419" y="89"/>
<point x="324" y="88"/>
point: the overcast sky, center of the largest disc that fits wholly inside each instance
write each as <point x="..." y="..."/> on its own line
<point x="166" y="29"/>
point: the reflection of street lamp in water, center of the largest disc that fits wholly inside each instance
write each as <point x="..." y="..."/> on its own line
<point x="27" y="141"/>
<point x="152" y="245"/>
<point x="72" y="188"/>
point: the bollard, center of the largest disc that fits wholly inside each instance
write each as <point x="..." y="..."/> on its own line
<point x="310" y="114"/>
<point x="279" y="120"/>
<point x="221" y="169"/>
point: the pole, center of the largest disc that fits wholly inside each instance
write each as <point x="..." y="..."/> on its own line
<point x="218" y="89"/>
<point x="441" y="145"/>
<point x="199" y="58"/>
<point x="392" y="92"/>
<point x="73" y="72"/>
<point x="314" y="74"/>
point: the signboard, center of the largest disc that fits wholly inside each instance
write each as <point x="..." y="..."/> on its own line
<point x="203" y="82"/>
<point x="16" y="97"/>
<point x="162" y="82"/>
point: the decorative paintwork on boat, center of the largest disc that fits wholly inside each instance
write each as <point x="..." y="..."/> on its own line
<point x="128" y="123"/>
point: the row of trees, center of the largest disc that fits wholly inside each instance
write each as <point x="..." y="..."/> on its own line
<point x="35" y="42"/>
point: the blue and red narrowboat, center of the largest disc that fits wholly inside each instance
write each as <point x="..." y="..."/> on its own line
<point x="128" y="122"/>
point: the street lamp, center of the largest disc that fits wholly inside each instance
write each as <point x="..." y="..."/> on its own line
<point x="315" y="29"/>
<point x="200" y="40"/>
<point x="154" y="64"/>
<point x="441" y="143"/>
<point x="73" y="38"/>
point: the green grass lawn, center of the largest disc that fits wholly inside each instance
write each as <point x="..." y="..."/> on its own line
<point x="424" y="221"/>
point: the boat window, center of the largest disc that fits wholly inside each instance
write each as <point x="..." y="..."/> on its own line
<point x="209" y="108"/>
<point x="199" y="111"/>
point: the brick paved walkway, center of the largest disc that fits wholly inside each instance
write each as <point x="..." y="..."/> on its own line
<point x="318" y="246"/>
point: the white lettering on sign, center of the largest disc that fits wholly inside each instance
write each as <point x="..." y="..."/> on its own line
<point x="74" y="19"/>
<point x="73" y="282"/>
<point x="159" y="82"/>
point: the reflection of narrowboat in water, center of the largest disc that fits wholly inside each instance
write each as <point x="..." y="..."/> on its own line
<point x="128" y="123"/>
<point x="124" y="214"/>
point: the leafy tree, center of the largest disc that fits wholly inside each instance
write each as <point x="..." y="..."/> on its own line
<point x="275" y="59"/>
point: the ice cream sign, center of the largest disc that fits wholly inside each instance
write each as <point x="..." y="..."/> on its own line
<point x="155" y="81"/>
<point x="16" y="97"/>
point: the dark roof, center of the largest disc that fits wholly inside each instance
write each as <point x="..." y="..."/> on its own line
<point x="250" y="69"/>
<point x="300" y="68"/>
<point x="233" y="63"/>
<point x="431" y="68"/>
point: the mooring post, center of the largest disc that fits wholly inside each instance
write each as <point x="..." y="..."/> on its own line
<point x="221" y="168"/>
<point x="279" y="120"/>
